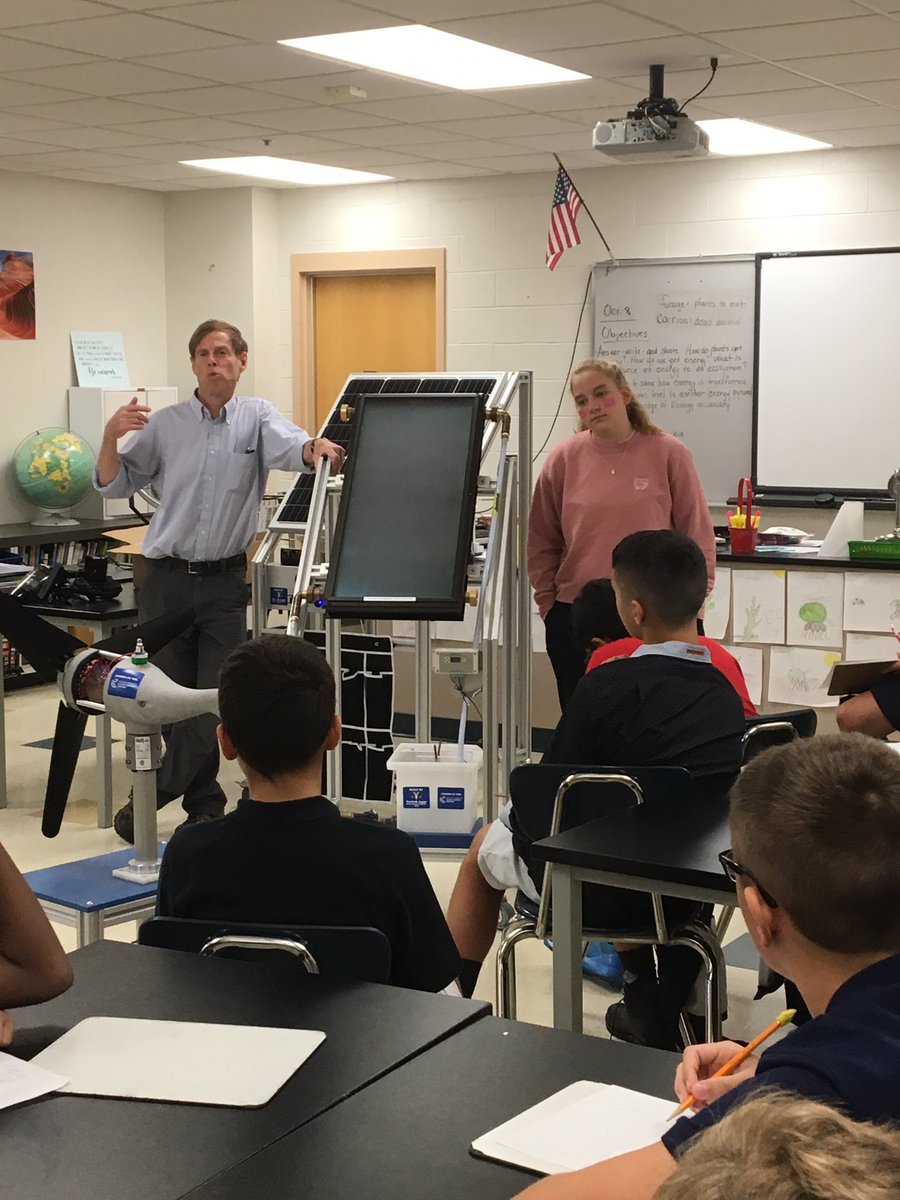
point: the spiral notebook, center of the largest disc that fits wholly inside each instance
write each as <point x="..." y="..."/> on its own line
<point x="584" y="1123"/>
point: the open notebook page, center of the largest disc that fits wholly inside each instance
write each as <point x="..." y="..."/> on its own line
<point x="584" y="1123"/>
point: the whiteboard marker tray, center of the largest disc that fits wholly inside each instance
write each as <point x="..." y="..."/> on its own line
<point x="185" y="1062"/>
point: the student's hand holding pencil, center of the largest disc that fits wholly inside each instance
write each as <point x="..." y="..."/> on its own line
<point x="700" y="1063"/>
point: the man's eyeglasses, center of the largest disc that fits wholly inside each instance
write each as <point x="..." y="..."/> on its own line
<point x="734" y="870"/>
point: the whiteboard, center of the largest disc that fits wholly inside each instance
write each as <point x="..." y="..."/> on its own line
<point x="827" y="383"/>
<point x="683" y="332"/>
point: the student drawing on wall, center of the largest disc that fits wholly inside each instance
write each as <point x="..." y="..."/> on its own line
<point x="814" y="616"/>
<point x="752" y="618"/>
<point x="17" y="295"/>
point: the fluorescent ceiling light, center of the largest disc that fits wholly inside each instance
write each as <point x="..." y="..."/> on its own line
<point x="284" y="170"/>
<point x="731" y="136"/>
<point x="419" y="52"/>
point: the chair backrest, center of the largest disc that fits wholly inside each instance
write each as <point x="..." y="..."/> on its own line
<point x="334" y="951"/>
<point x="533" y="788"/>
<point x="776" y="729"/>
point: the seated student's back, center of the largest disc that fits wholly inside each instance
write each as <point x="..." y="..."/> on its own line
<point x="285" y="855"/>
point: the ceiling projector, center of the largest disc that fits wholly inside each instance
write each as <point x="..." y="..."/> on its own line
<point x="654" y="129"/>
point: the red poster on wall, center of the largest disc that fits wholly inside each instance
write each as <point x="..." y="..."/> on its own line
<point x="16" y="295"/>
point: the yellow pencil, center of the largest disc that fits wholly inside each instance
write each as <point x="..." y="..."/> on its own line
<point x="742" y="1055"/>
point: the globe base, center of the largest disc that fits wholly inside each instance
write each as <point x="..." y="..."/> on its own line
<point x="56" y="519"/>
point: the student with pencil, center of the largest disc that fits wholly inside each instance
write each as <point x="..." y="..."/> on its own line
<point x="815" y="828"/>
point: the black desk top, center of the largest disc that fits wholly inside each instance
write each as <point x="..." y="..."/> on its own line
<point x="677" y="845"/>
<point x="776" y="558"/>
<point x="409" y="1134"/>
<point x="83" y="1148"/>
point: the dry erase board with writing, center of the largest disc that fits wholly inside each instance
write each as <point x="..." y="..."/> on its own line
<point x="827" y="377"/>
<point x="683" y="331"/>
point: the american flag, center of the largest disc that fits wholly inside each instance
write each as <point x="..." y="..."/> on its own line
<point x="563" y="230"/>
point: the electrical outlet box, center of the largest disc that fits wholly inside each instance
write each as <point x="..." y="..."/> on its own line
<point x="456" y="660"/>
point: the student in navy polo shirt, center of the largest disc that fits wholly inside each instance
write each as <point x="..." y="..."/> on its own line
<point x="665" y="705"/>
<point x="815" y="827"/>
<point x="285" y="856"/>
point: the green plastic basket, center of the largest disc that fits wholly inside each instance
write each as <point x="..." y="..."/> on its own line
<point x="881" y="550"/>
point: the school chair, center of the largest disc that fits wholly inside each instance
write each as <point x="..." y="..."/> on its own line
<point x="549" y="798"/>
<point x="347" y="952"/>
<point x="776" y="729"/>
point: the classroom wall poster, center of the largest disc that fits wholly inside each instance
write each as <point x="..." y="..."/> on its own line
<point x="17" y="307"/>
<point x="872" y="601"/>
<point x="815" y="608"/>
<point x="798" y="676"/>
<point x="718" y="605"/>
<point x="757" y="606"/>
<point x="751" y="663"/>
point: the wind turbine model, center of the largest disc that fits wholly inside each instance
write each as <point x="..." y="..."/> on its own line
<point x="116" y="678"/>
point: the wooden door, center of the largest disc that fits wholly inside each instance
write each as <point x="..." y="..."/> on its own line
<point x="370" y="322"/>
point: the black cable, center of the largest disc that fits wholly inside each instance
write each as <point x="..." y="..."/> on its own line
<point x="714" y="66"/>
<point x="562" y="394"/>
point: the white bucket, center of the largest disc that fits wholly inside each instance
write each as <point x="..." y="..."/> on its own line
<point x="436" y="795"/>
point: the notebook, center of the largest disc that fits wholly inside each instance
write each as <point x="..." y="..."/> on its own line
<point x="584" y="1123"/>
<point x="183" y="1061"/>
<point x="850" y="678"/>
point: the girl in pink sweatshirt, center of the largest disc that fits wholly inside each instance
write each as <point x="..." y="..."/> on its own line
<point x="619" y="475"/>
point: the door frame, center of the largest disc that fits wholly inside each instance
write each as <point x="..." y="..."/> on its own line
<point x="306" y="268"/>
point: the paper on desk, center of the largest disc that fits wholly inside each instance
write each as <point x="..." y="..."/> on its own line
<point x="584" y="1123"/>
<point x="21" y="1081"/>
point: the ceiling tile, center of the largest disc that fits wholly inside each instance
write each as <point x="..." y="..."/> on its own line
<point x="440" y="107"/>
<point x="34" y="12"/>
<point x="77" y="159"/>
<point x="467" y="148"/>
<point x="269" y="20"/>
<point x="885" y="92"/>
<point x="876" y="135"/>
<point x="123" y="35"/>
<point x="364" y="159"/>
<point x="104" y="77"/>
<point x="86" y="137"/>
<point x="705" y="16"/>
<point x="13" y="146"/>
<point x="242" y="64"/>
<point x="191" y="129"/>
<point x="558" y="142"/>
<point x="214" y="100"/>
<point x="517" y="163"/>
<point x="553" y="28"/>
<point x="501" y="127"/>
<point x="20" y="124"/>
<point x="441" y="170"/>
<point x="304" y="118"/>
<point x="739" y="80"/>
<point x="853" y="118"/>
<point x="680" y="52"/>
<point x="16" y="94"/>
<point x="812" y="38"/>
<point x="559" y="96"/>
<point x="394" y="135"/>
<point x="800" y="100"/>
<point x="374" y="84"/>
<point x="850" y="68"/>
<point x="430" y="12"/>
<point x="98" y="111"/>
<point x="171" y="152"/>
<point x="16" y="55"/>
<point x="291" y="145"/>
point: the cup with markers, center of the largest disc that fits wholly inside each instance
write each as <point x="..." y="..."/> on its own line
<point x="743" y="525"/>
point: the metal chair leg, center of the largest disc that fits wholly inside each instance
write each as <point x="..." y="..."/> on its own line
<point x="516" y="931"/>
<point x="704" y="942"/>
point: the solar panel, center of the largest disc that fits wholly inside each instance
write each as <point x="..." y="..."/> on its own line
<point x="294" y="509"/>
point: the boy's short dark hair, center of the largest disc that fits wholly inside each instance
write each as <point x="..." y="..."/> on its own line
<point x="594" y="615"/>
<point x="818" y="823"/>
<point x="665" y="570"/>
<point x="276" y="701"/>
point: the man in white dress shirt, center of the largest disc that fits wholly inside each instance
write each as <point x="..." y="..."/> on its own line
<point x="207" y="459"/>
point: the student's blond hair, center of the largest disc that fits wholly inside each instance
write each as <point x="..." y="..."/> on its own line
<point x="637" y="414"/>
<point x="779" y="1147"/>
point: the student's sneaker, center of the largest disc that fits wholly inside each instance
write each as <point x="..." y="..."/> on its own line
<point x="601" y="963"/>
<point x="638" y="1017"/>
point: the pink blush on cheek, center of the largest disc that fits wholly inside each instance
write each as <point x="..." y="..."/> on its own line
<point x="609" y="402"/>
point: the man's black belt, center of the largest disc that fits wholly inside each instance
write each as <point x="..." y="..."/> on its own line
<point x="216" y="567"/>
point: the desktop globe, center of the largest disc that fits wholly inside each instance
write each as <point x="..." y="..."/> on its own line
<point x="54" y="470"/>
